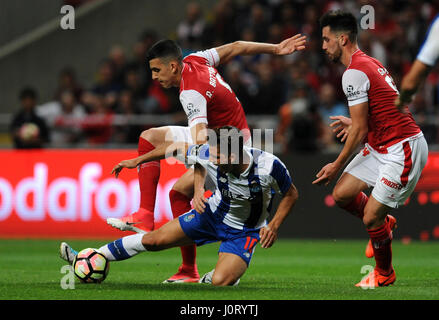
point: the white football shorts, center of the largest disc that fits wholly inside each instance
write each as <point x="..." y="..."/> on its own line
<point x="393" y="175"/>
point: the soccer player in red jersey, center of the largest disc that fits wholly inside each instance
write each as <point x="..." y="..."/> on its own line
<point x="208" y="102"/>
<point x="395" y="150"/>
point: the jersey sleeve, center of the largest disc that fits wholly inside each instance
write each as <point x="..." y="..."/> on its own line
<point x="429" y="51"/>
<point x="195" y="106"/>
<point x="280" y="177"/>
<point x="211" y="55"/>
<point x="356" y="85"/>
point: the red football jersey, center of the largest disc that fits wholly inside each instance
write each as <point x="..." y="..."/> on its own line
<point x="205" y="96"/>
<point x="366" y="79"/>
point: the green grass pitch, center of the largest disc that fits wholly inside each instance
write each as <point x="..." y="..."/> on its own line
<point x="290" y="270"/>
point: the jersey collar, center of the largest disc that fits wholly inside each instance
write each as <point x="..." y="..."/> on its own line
<point x="353" y="54"/>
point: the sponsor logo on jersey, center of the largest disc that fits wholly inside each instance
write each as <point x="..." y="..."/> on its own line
<point x="191" y="110"/>
<point x="350" y="92"/>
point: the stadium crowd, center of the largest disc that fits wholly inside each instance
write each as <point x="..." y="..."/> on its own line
<point x="300" y="91"/>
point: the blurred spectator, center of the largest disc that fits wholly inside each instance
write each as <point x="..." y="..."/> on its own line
<point x="269" y="93"/>
<point x="98" y="125"/>
<point x="118" y="59"/>
<point x="127" y="133"/>
<point x="64" y="116"/>
<point x="190" y="30"/>
<point x="299" y="123"/>
<point x="67" y="81"/>
<point x="28" y="130"/>
<point x="329" y="106"/>
<point x="106" y="84"/>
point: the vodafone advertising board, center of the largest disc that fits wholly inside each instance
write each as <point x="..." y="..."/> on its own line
<point x="70" y="193"/>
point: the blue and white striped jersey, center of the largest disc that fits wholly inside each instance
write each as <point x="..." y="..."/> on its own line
<point x="245" y="202"/>
<point x="429" y="51"/>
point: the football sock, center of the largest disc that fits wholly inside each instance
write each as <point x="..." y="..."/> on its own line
<point x="356" y="207"/>
<point x="381" y="238"/>
<point x="149" y="174"/>
<point x="181" y="204"/>
<point x="123" y="248"/>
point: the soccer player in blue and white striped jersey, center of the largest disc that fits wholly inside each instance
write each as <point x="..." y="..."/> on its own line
<point x="245" y="180"/>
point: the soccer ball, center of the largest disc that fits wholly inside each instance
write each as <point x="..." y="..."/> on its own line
<point x="90" y="265"/>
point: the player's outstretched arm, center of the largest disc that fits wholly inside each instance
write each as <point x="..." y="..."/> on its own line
<point x="356" y="134"/>
<point x="288" y="46"/>
<point x="162" y="151"/>
<point x="410" y="83"/>
<point x="268" y="234"/>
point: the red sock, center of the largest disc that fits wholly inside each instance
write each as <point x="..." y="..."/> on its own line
<point x="181" y="204"/>
<point x="149" y="174"/>
<point x="356" y="207"/>
<point x="381" y="238"/>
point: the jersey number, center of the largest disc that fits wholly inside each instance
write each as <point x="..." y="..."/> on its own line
<point x="223" y="83"/>
<point x="388" y="79"/>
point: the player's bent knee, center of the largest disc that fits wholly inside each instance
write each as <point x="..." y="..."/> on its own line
<point x="339" y="197"/>
<point x="153" y="135"/>
<point x="220" y="279"/>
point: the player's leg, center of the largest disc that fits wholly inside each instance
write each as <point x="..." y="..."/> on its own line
<point x="234" y="258"/>
<point x="142" y="221"/>
<point x="168" y="236"/>
<point x="228" y="270"/>
<point x="148" y="175"/>
<point x="380" y="233"/>
<point x="180" y="199"/>
<point x="348" y="194"/>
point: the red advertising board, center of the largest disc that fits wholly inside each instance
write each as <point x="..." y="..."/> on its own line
<point x="70" y="193"/>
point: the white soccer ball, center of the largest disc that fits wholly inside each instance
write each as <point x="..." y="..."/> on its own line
<point x="90" y="265"/>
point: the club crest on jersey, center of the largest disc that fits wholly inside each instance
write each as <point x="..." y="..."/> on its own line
<point x="255" y="187"/>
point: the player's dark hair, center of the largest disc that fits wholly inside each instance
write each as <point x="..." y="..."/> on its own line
<point x="27" y="92"/>
<point x="165" y="49"/>
<point x="230" y="136"/>
<point x="340" y="21"/>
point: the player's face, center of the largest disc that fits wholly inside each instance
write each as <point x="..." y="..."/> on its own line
<point x="330" y="44"/>
<point x="163" y="72"/>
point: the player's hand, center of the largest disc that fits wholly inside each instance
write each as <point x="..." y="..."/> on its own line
<point x="130" y="164"/>
<point x="199" y="201"/>
<point x="341" y="126"/>
<point x="267" y="236"/>
<point x="290" y="45"/>
<point x="327" y="174"/>
<point x="400" y="103"/>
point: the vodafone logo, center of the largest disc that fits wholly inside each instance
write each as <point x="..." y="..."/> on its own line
<point x="63" y="199"/>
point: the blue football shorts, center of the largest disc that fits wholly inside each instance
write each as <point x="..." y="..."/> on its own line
<point x="208" y="227"/>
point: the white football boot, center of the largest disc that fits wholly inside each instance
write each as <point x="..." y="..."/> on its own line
<point x="67" y="253"/>
<point x="124" y="226"/>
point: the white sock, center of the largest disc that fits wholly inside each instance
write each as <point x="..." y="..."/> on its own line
<point x="123" y="248"/>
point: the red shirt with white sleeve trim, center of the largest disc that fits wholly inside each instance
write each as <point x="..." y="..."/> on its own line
<point x="366" y="80"/>
<point x="205" y="96"/>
